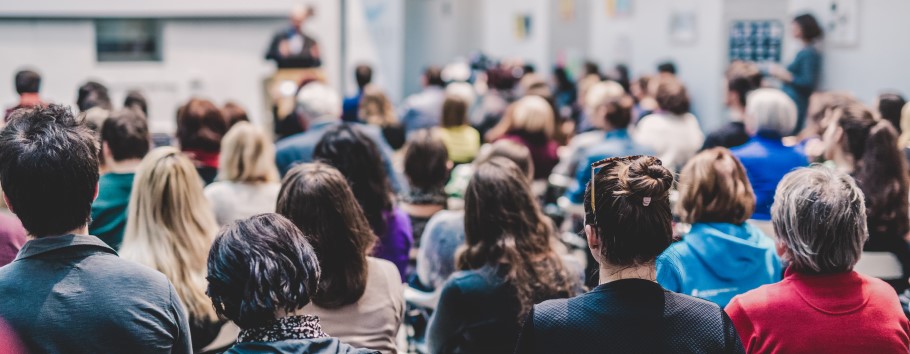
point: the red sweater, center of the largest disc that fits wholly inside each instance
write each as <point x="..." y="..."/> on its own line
<point x="834" y="313"/>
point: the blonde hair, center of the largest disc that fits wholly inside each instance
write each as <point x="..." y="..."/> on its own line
<point x="713" y="187"/>
<point x="533" y="114"/>
<point x="904" y="140"/>
<point x="247" y="156"/>
<point x="375" y="108"/>
<point x="170" y="226"/>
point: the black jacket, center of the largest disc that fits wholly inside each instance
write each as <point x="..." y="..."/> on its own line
<point x="299" y="346"/>
<point x="629" y="316"/>
<point x="302" y="60"/>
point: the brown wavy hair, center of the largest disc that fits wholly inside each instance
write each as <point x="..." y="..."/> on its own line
<point x="505" y="228"/>
<point x="318" y="200"/>
<point x="713" y="187"/>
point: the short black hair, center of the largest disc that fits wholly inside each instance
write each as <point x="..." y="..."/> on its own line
<point x="363" y="74"/>
<point x="890" y="105"/>
<point x="93" y="94"/>
<point x="135" y="99"/>
<point x="27" y="81"/>
<point x="49" y="169"/>
<point x="258" y="266"/>
<point x="667" y="67"/>
<point x="433" y="75"/>
<point x="809" y="26"/>
<point x="126" y="133"/>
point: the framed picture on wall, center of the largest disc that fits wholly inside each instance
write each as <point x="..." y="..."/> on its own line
<point x="756" y="41"/>
<point x="683" y="26"/>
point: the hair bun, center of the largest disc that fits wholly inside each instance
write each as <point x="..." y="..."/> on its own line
<point x="647" y="176"/>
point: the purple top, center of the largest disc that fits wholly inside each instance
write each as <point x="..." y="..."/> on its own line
<point x="395" y="245"/>
<point x="12" y="237"/>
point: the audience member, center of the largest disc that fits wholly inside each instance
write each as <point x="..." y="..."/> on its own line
<point x="348" y="149"/>
<point x="628" y="225"/>
<point x="596" y="106"/>
<point x="645" y="104"/>
<point x="248" y="181"/>
<point x="262" y="272"/>
<point x="461" y="174"/>
<point x="531" y="124"/>
<point x="136" y="100"/>
<point x="461" y="140"/>
<point x="422" y="110"/>
<point x="94" y="102"/>
<point x="170" y="228"/>
<point x="866" y="148"/>
<point x="426" y="165"/>
<point x="671" y="132"/>
<point x="358" y="298"/>
<point x="822" y="305"/>
<point x="821" y="106"/>
<point x="200" y="128"/>
<point x="615" y="142"/>
<point x="742" y="78"/>
<point x="508" y="264"/>
<point x="125" y="140"/>
<point x="376" y="110"/>
<point x="12" y="237"/>
<point x="494" y="103"/>
<point x="69" y="292"/>
<point x="363" y="75"/>
<point x="666" y="68"/>
<point x="28" y="84"/>
<point x="319" y="109"/>
<point x="770" y="116"/>
<point x="889" y="107"/>
<point x="233" y="114"/>
<point x="564" y="91"/>
<point x="722" y="255"/>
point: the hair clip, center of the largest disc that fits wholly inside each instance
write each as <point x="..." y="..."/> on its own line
<point x="646" y="201"/>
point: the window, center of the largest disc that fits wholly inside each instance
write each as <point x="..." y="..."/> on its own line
<point x="127" y="40"/>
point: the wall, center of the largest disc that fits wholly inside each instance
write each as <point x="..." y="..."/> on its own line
<point x="499" y="23"/>
<point x="375" y="37"/>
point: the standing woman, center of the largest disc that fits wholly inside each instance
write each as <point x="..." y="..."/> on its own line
<point x="170" y="228"/>
<point x="801" y="77"/>
<point x="359" y="299"/>
<point x="507" y="265"/>
<point x="247" y="177"/>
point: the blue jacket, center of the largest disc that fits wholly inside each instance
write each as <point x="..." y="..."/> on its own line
<point x="616" y="143"/>
<point x="717" y="261"/>
<point x="767" y="160"/>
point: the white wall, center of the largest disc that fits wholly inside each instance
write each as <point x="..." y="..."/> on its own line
<point x="375" y="36"/>
<point x="499" y="22"/>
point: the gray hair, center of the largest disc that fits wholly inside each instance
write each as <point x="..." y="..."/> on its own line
<point x="772" y="110"/>
<point x="316" y="100"/>
<point x="819" y="215"/>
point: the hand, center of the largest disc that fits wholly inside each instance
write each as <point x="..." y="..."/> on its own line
<point x="780" y="73"/>
<point x="284" y="48"/>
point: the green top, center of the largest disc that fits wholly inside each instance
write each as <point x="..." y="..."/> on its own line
<point x="109" y="209"/>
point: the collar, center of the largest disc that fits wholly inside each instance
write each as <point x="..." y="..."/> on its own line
<point x="52" y="243"/>
<point x="203" y="158"/>
<point x="769" y="135"/>
<point x="630" y="283"/>
<point x="832" y="293"/>
<point x="291" y="327"/>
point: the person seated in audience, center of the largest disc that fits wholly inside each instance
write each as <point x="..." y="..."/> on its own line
<point x="821" y="305"/>
<point x="742" y="78"/>
<point x="889" y="107"/>
<point x="461" y="140"/>
<point x="904" y="140"/>
<point x="200" y="128"/>
<point x="596" y="107"/>
<point x="426" y="165"/>
<point x="69" y="292"/>
<point x="722" y="255"/>
<point x="771" y="115"/>
<point x="12" y="236"/>
<point x="866" y="148"/>
<point x="671" y="132"/>
<point x="531" y="123"/>
<point x="248" y="181"/>
<point x="135" y="100"/>
<point x="234" y="113"/>
<point x="645" y="104"/>
<point x="507" y="265"/>
<point x="495" y="103"/>
<point x="628" y="225"/>
<point x="319" y="109"/>
<point x="615" y="141"/>
<point x="376" y="110"/>
<point x="358" y="298"/>
<point x="169" y="228"/>
<point x="363" y="75"/>
<point x="422" y="110"/>
<point x="125" y="140"/>
<point x="262" y="273"/>
<point x="821" y="106"/>
<point x="349" y="150"/>
<point x="28" y="84"/>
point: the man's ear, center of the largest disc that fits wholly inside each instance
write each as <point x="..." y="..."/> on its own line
<point x="97" y="187"/>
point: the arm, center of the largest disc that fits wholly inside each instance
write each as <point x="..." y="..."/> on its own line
<point x="741" y="323"/>
<point x="445" y="321"/>
<point x="808" y="66"/>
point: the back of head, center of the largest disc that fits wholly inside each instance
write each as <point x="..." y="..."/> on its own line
<point x="200" y="126"/>
<point x="170" y="225"/>
<point x="136" y="100"/>
<point x="770" y="110"/>
<point x="426" y="161"/>
<point x="617" y="112"/>
<point x="600" y="93"/>
<point x="808" y="25"/>
<point x="363" y="74"/>
<point x="670" y="94"/>
<point x="667" y="67"/>
<point x="889" y="108"/>
<point x="454" y="112"/>
<point x="247" y="155"/>
<point x="234" y="113"/>
<point x="48" y="169"/>
<point x="820" y="217"/>
<point x="462" y="90"/>
<point x="742" y="78"/>
<point x="126" y="135"/>
<point x="627" y="203"/>
<point x="93" y="94"/>
<point x="433" y="76"/>
<point x="28" y="81"/>
<point x="375" y="108"/>
<point x="318" y="200"/>
<point x="820" y="107"/>
<point x="533" y="114"/>
<point x="713" y="187"/>
<point x="357" y="157"/>
<point x="517" y="153"/>
<point x="259" y="267"/>
<point x="315" y="100"/>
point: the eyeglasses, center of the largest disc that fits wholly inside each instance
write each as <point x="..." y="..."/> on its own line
<point x="602" y="165"/>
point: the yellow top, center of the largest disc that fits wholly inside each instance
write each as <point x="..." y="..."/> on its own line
<point x="462" y="142"/>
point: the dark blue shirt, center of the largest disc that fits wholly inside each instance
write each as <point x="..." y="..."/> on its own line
<point x="767" y="160"/>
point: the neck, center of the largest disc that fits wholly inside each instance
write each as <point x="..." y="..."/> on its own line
<point x="609" y="273"/>
<point x="29" y="99"/>
<point x="123" y="166"/>
<point x="844" y="162"/>
<point x="736" y="113"/>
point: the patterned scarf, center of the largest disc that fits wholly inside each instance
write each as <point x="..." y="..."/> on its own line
<point x="292" y="327"/>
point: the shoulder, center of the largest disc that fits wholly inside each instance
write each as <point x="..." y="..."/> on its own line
<point x="550" y="312"/>
<point x="879" y="290"/>
<point x="384" y="270"/>
<point x="692" y="309"/>
<point x="293" y="142"/>
<point x="217" y="188"/>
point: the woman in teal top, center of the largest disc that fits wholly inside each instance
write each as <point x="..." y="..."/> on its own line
<point x="801" y="77"/>
<point x="721" y="256"/>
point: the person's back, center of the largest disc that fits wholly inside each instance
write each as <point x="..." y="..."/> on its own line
<point x="629" y="316"/>
<point x="68" y="292"/>
<point x="767" y="160"/>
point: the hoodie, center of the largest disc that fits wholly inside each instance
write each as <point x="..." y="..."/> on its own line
<point x="717" y="261"/>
